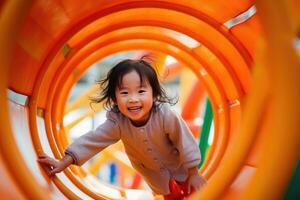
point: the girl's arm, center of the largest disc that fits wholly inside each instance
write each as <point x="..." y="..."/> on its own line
<point x="53" y="166"/>
<point x="94" y="141"/>
<point x="182" y="138"/>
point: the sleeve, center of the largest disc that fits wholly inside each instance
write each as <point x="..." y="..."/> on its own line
<point x="89" y="144"/>
<point x="182" y="138"/>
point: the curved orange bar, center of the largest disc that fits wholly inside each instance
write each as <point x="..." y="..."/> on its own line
<point x="284" y="67"/>
<point x="12" y="15"/>
<point x="248" y="33"/>
<point x="192" y="104"/>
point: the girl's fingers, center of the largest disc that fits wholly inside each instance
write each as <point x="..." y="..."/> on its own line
<point x="41" y="159"/>
<point x="44" y="161"/>
<point x="43" y="155"/>
<point x="49" y="162"/>
<point x="54" y="171"/>
<point x="48" y="169"/>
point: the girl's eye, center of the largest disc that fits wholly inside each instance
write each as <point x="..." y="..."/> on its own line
<point x="142" y="91"/>
<point x="123" y="92"/>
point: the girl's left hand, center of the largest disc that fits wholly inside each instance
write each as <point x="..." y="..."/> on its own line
<point x="196" y="181"/>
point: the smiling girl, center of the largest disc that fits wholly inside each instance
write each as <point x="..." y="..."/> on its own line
<point x="157" y="141"/>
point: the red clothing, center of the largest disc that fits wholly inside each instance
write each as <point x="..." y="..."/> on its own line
<point x="178" y="190"/>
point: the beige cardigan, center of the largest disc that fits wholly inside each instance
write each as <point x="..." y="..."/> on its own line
<point x="163" y="148"/>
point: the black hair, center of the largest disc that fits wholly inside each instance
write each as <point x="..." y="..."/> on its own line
<point x="114" y="79"/>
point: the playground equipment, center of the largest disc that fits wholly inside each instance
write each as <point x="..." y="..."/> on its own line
<point x="249" y="71"/>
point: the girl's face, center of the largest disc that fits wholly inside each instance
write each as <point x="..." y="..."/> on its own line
<point x="135" y="99"/>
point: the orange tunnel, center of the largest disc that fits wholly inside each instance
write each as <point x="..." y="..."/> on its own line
<point x="248" y="69"/>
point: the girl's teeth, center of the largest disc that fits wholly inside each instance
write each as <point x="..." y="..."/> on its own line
<point x="134" y="109"/>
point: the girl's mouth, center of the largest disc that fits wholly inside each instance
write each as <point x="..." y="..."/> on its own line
<point x="135" y="108"/>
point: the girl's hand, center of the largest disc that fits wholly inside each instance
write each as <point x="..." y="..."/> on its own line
<point x="53" y="166"/>
<point x="196" y="180"/>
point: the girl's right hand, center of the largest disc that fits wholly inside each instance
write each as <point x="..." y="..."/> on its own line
<point x="53" y="166"/>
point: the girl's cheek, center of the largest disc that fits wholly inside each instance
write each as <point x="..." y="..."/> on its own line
<point x="124" y="100"/>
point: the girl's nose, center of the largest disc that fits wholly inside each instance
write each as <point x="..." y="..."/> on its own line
<point x="133" y="99"/>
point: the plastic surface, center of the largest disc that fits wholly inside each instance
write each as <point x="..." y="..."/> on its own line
<point x="254" y="103"/>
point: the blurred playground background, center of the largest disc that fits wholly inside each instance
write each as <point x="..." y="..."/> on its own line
<point x="234" y="65"/>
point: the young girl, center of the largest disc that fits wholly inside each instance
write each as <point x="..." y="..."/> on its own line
<point x="157" y="141"/>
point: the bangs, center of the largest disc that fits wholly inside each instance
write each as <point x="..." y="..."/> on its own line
<point x="144" y="76"/>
